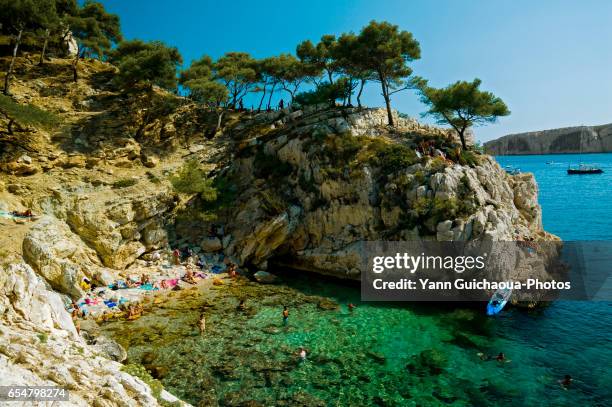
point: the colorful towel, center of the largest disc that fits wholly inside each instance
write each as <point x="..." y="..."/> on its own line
<point x="110" y="303"/>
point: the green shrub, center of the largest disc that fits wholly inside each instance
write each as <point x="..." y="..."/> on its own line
<point x="438" y="164"/>
<point x="393" y="157"/>
<point x="26" y="115"/>
<point x="140" y="372"/>
<point x="324" y="93"/>
<point x="468" y="157"/>
<point x="227" y="193"/>
<point x="43" y="337"/>
<point x="192" y="179"/>
<point x="419" y="177"/>
<point x="342" y="147"/>
<point x="438" y="210"/>
<point x="124" y="183"/>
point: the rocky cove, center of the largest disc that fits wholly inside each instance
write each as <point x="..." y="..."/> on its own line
<point x="298" y="190"/>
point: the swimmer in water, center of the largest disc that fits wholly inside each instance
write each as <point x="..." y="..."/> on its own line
<point x="566" y="381"/>
<point x="501" y="357"/>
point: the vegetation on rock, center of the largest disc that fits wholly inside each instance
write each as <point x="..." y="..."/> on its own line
<point x="462" y="105"/>
<point x="193" y="179"/>
<point x="19" y="117"/>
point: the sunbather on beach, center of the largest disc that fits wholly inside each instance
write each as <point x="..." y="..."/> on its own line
<point x="189" y="276"/>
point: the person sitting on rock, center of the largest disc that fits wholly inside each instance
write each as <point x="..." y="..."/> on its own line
<point x="231" y="270"/>
<point x="189" y="276"/>
<point x="177" y="257"/>
<point x="86" y="284"/>
<point x="145" y="279"/>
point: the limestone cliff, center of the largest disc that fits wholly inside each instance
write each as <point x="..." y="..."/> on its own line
<point x="307" y="187"/>
<point x="582" y="139"/>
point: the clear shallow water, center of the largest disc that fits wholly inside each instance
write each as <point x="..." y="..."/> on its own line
<point x="391" y="355"/>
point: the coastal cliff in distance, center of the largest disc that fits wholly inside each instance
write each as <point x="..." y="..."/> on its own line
<point x="568" y="140"/>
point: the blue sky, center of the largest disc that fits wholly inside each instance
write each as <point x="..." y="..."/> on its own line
<point x="549" y="60"/>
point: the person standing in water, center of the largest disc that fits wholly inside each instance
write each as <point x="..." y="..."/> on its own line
<point x="202" y="323"/>
<point x="285" y="315"/>
<point x="302" y="354"/>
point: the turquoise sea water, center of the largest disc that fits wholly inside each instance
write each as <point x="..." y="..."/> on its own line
<point x="392" y="354"/>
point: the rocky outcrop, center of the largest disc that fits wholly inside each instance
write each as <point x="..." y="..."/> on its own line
<point x="311" y="192"/>
<point x="61" y="257"/>
<point x="582" y="139"/>
<point x="120" y="225"/>
<point x="39" y="346"/>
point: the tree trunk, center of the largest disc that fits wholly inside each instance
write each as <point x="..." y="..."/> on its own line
<point x="359" y="94"/>
<point x="75" y="63"/>
<point x="7" y="78"/>
<point x="44" y="48"/>
<point x="462" y="137"/>
<point x="330" y="76"/>
<point x="350" y="92"/>
<point x="270" y="98"/>
<point x="385" y="91"/>
<point x="262" y="99"/>
<point x="219" y="120"/>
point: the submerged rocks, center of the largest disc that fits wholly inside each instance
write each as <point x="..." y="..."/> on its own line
<point x="265" y="277"/>
<point x="328" y="304"/>
<point x="109" y="349"/>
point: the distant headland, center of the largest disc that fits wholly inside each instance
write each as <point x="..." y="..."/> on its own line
<point x="567" y="140"/>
